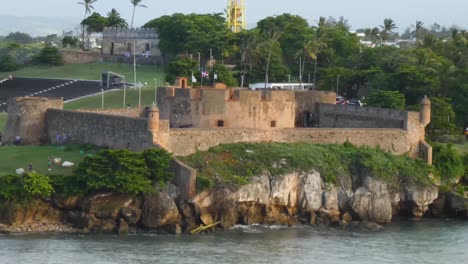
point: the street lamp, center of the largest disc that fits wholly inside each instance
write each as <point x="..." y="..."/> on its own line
<point x="337" y="84"/>
<point x="139" y="94"/>
<point x="102" y="98"/>
<point x="155" y="88"/>
<point x="199" y="62"/>
<point x="124" y="94"/>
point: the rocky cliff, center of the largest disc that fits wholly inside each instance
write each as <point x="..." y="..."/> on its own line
<point x="287" y="199"/>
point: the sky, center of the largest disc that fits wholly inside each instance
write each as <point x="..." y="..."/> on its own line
<point x="360" y="13"/>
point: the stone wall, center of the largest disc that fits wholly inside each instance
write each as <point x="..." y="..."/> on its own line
<point x="183" y="142"/>
<point x="27" y="119"/>
<point x="185" y="178"/>
<point x="73" y="56"/>
<point x="100" y="129"/>
<point x="349" y="116"/>
<point x="234" y="108"/>
<point x="128" y="112"/>
<point x="306" y="101"/>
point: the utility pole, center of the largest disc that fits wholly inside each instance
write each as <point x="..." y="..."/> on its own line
<point x="134" y="63"/>
<point x="102" y="99"/>
<point x="155" y="88"/>
<point x="199" y="61"/>
<point x="337" y="84"/>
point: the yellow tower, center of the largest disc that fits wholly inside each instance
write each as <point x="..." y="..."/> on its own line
<point x="236" y="15"/>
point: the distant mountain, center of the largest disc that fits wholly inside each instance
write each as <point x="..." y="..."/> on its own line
<point x="37" y="25"/>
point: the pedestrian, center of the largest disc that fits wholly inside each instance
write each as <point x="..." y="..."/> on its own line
<point x="30" y="168"/>
<point x="1" y="139"/>
<point x="57" y="138"/>
<point x="49" y="163"/>
<point x="17" y="140"/>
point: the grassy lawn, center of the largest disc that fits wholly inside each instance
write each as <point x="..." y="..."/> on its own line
<point x="462" y="148"/>
<point x="92" y="71"/>
<point x="114" y="99"/>
<point x="14" y="157"/>
<point x="3" y="119"/>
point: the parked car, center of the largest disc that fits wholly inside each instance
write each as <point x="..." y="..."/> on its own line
<point x="340" y="100"/>
<point x="355" y="102"/>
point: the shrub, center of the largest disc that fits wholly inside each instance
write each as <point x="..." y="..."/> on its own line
<point x="448" y="163"/>
<point x="8" y="63"/>
<point x="158" y="161"/>
<point x="114" y="170"/>
<point x="49" y="55"/>
<point x="25" y="187"/>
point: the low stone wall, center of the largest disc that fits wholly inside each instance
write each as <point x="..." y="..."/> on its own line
<point x="348" y="116"/>
<point x="112" y="131"/>
<point x="73" y="56"/>
<point x="128" y="112"/>
<point x="182" y="142"/>
<point x="185" y="178"/>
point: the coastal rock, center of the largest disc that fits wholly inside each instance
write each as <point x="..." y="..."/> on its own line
<point x="130" y="214"/>
<point x="284" y="190"/>
<point x="419" y="198"/>
<point x="38" y="211"/>
<point x="311" y="194"/>
<point x="159" y="210"/>
<point x="330" y="198"/>
<point x="345" y="192"/>
<point x="66" y="202"/>
<point x="123" y="227"/>
<point x="251" y="213"/>
<point x="258" y="191"/>
<point x="458" y="205"/>
<point x="372" y="207"/>
<point x="108" y="205"/>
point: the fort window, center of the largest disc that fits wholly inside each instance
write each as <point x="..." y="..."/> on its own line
<point x="129" y="47"/>
<point x="147" y="47"/>
<point x="220" y="123"/>
<point x="112" y="49"/>
<point x="273" y="123"/>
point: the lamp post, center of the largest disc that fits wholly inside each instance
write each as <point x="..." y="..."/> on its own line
<point x="102" y="98"/>
<point x="139" y="94"/>
<point x="337" y="84"/>
<point x="124" y="94"/>
<point x="155" y="88"/>
<point x="199" y="61"/>
<point x="289" y="78"/>
<point x="134" y="63"/>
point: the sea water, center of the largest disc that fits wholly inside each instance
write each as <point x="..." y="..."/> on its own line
<point x="427" y="241"/>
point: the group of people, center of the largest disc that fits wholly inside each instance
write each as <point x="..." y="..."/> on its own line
<point x="16" y="142"/>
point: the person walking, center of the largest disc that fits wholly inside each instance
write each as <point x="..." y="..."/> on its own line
<point x="49" y="163"/>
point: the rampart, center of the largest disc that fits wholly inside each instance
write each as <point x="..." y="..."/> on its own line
<point x="128" y="112"/>
<point x="117" y="42"/>
<point x="73" y="56"/>
<point x="350" y="116"/>
<point x="26" y="119"/>
<point x="100" y="129"/>
<point x="239" y="108"/>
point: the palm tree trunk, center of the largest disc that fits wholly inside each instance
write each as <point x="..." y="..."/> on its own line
<point x="268" y="64"/>
<point x="83" y="30"/>
<point x="131" y="25"/>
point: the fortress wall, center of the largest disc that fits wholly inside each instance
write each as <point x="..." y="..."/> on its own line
<point x="27" y="119"/>
<point x="128" y="112"/>
<point x="183" y="142"/>
<point x="73" y="56"/>
<point x="306" y="105"/>
<point x="348" y="116"/>
<point x="100" y="129"/>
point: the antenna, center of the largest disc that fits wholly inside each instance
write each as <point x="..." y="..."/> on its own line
<point x="236" y="15"/>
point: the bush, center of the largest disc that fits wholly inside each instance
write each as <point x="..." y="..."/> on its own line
<point x="123" y="171"/>
<point x="49" y="55"/>
<point x="386" y="99"/>
<point x="448" y="163"/>
<point x="237" y="163"/>
<point x="8" y="63"/>
<point x="25" y="187"/>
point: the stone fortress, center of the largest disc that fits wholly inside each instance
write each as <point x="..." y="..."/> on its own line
<point x="189" y="119"/>
<point x="120" y="44"/>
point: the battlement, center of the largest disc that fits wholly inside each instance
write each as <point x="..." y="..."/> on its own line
<point x="129" y="33"/>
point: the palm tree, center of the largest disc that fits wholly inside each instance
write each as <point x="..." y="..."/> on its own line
<point x="387" y="28"/>
<point x="250" y="53"/>
<point x="88" y="4"/>
<point x="272" y="35"/>
<point x="135" y="3"/>
<point x="115" y="20"/>
<point x="418" y="31"/>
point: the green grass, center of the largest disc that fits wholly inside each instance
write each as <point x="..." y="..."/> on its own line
<point x="237" y="163"/>
<point x="114" y="99"/>
<point x="3" y="119"/>
<point x="14" y="157"/>
<point x="92" y="71"/>
<point x="461" y="148"/>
